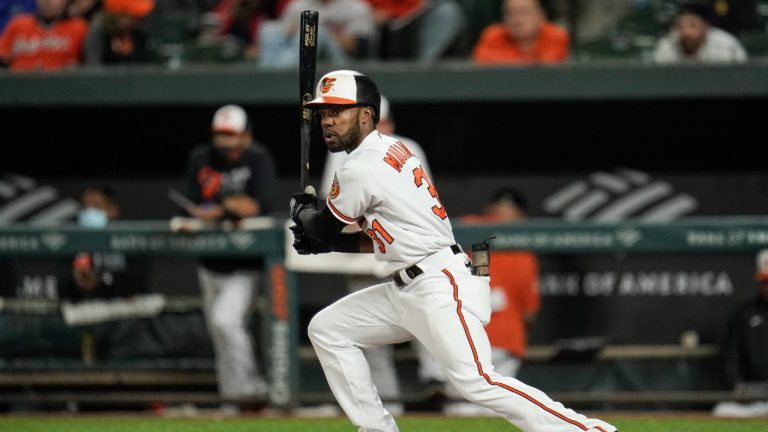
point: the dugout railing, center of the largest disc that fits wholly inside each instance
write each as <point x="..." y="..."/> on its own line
<point x="286" y="360"/>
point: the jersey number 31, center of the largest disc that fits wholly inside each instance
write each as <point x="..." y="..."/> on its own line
<point x="377" y="232"/>
<point x="420" y="177"/>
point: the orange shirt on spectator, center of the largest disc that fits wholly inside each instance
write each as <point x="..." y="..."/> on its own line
<point x="27" y="44"/>
<point x="517" y="273"/>
<point x="495" y="46"/>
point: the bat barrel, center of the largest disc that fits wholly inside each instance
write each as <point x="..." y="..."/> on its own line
<point x="307" y="64"/>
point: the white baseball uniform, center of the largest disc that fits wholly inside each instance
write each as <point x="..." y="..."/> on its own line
<point x="382" y="186"/>
<point x="381" y="358"/>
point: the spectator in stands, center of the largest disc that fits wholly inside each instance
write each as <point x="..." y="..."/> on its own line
<point x="437" y="25"/>
<point x="693" y="39"/>
<point x="102" y="275"/>
<point x="241" y="19"/>
<point x="524" y="36"/>
<point x="745" y="347"/>
<point x="515" y="296"/>
<point x="11" y="8"/>
<point x="231" y="179"/>
<point x="45" y="40"/>
<point x="116" y="36"/>
<point x="346" y="28"/>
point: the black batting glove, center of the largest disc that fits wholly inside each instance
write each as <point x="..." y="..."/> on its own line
<point x="304" y="244"/>
<point x="303" y="201"/>
<point x="300" y="240"/>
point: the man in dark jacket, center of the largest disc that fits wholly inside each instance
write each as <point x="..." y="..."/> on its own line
<point x="231" y="179"/>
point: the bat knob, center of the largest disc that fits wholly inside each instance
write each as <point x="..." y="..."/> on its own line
<point x="310" y="190"/>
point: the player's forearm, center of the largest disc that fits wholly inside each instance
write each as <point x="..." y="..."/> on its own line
<point x="353" y="243"/>
<point x="321" y="225"/>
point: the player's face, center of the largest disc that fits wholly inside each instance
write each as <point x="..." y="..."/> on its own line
<point x="341" y="127"/>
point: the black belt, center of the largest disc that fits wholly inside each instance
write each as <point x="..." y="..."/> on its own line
<point x="414" y="271"/>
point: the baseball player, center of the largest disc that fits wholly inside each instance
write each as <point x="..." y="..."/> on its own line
<point x="381" y="358"/>
<point x="433" y="296"/>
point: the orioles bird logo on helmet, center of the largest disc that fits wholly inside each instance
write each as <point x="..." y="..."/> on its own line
<point x="327" y="84"/>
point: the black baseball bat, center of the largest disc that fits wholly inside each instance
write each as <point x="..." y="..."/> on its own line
<point x="307" y="62"/>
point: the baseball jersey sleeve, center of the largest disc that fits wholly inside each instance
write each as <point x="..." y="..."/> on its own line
<point x="353" y="191"/>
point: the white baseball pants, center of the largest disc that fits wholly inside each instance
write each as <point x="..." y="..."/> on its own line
<point x="227" y="301"/>
<point x="446" y="309"/>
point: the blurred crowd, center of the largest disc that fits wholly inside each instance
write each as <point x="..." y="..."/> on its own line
<point x="66" y="34"/>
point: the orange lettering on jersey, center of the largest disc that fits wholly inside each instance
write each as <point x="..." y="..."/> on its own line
<point x="400" y="151"/>
<point x="420" y="177"/>
<point x="377" y="232"/>
<point x="394" y="163"/>
<point x="397" y="155"/>
<point x="404" y="149"/>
